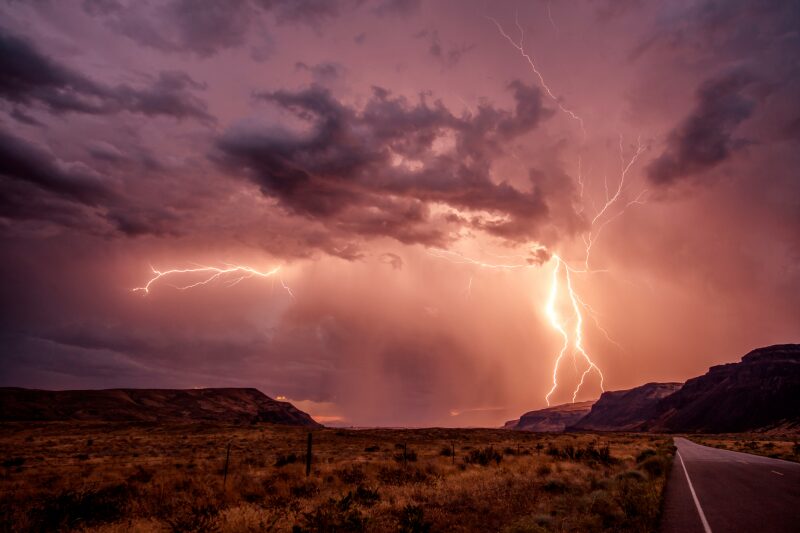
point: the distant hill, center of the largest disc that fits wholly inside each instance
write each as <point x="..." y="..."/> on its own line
<point x="625" y="410"/>
<point x="228" y="405"/>
<point x="760" y="392"/>
<point x="552" y="419"/>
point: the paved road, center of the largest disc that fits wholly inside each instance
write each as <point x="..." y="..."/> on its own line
<point x="719" y="491"/>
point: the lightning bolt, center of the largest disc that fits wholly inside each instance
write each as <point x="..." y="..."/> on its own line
<point x="602" y="218"/>
<point x="573" y="338"/>
<point x="560" y="325"/>
<point x="520" y="47"/>
<point x="232" y="274"/>
<point x="287" y="289"/>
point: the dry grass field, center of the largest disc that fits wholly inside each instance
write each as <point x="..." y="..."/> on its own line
<point x="785" y="447"/>
<point x="124" y="477"/>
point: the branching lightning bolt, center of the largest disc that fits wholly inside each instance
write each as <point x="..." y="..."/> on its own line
<point x="520" y="46"/>
<point x="573" y="337"/>
<point x="598" y="222"/>
<point x="231" y="274"/>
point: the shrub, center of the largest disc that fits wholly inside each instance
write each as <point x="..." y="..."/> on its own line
<point x="333" y="515"/>
<point x="351" y="475"/>
<point x="285" y="459"/>
<point x="446" y="451"/>
<point x="404" y="456"/>
<point x="525" y="525"/>
<point x="192" y="516"/>
<point x="141" y="475"/>
<point x="401" y="476"/>
<point x="412" y="520"/>
<point x="483" y="456"/>
<point x="654" y="466"/>
<point x="644" y="454"/>
<point x="634" y="475"/>
<point x="71" y="509"/>
<point x="543" y="470"/>
<point x="606" y="509"/>
<point x="555" y="486"/>
<point x="366" y="496"/>
<point x="373" y="448"/>
<point x="638" y="500"/>
<point x="14" y="461"/>
<point x="304" y="490"/>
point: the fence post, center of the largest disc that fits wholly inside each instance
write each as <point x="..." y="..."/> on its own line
<point x="453" y="455"/>
<point x="308" y="456"/>
<point x="225" y="472"/>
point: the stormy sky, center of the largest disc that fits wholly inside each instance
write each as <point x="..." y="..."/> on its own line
<point x="416" y="170"/>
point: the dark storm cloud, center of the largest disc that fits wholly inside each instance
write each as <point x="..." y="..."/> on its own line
<point x="169" y="95"/>
<point x="398" y="7"/>
<point x="20" y="116"/>
<point x="201" y="27"/>
<point x="35" y="185"/>
<point x="134" y="221"/>
<point x="20" y="160"/>
<point x="377" y="171"/>
<point x="706" y="137"/>
<point x="310" y="12"/>
<point x="30" y="76"/>
<point x="25" y="202"/>
<point x="322" y="73"/>
<point x="207" y="27"/>
<point x="714" y="30"/>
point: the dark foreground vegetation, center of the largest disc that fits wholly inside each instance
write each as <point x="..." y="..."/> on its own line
<point x="782" y="446"/>
<point x="146" y="477"/>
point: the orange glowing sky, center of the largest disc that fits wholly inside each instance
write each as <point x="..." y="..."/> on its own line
<point x="360" y="206"/>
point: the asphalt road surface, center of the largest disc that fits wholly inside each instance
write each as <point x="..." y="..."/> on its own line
<point x="719" y="491"/>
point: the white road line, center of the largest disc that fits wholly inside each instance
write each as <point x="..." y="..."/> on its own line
<point x="776" y="472"/>
<point x="694" y="496"/>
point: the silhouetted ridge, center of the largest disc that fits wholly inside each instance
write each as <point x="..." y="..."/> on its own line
<point x="232" y="405"/>
<point x="760" y="392"/>
<point x="625" y="410"/>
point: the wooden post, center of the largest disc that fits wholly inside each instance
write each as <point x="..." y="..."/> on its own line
<point x="453" y="455"/>
<point x="308" y="456"/>
<point x="225" y="471"/>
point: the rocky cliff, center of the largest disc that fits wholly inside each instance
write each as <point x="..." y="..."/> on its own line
<point x="760" y="392"/>
<point x="625" y="410"/>
<point x="552" y="419"/>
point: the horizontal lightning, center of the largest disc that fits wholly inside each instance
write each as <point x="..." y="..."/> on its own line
<point x="232" y="274"/>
